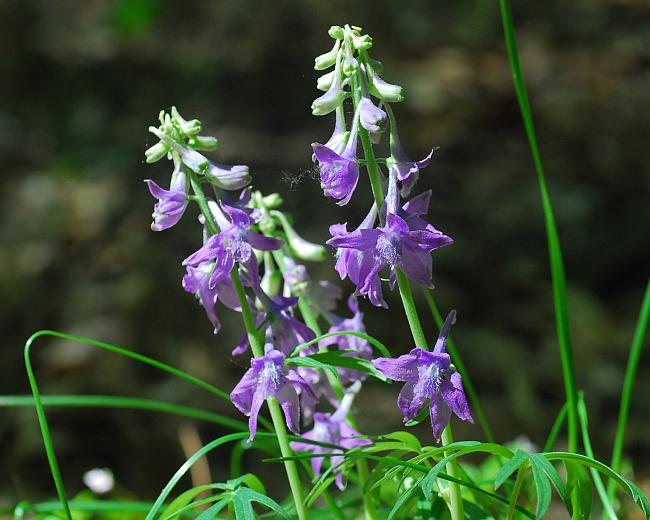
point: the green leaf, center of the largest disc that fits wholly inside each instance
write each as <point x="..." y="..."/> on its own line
<point x="248" y="495"/>
<point x="214" y="510"/>
<point x="421" y="416"/>
<point x="308" y="361"/>
<point x="406" y="438"/>
<point x="578" y="479"/>
<point x="509" y="468"/>
<point x="542" y="487"/>
<point x="185" y="498"/>
<point x="404" y="497"/>
<point x="338" y="358"/>
<point x="551" y="474"/>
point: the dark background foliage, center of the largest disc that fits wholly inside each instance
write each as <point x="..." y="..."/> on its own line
<point x="81" y="81"/>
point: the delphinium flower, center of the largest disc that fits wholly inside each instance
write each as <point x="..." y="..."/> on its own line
<point x="171" y="203"/>
<point x="267" y="377"/>
<point x="407" y="170"/>
<point x="284" y="330"/>
<point x="339" y="173"/>
<point x="233" y="244"/>
<point x="332" y="429"/>
<point x="393" y="245"/>
<point x="359" y="347"/>
<point x="428" y="376"/>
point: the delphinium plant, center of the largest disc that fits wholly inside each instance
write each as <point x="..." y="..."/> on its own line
<point x="309" y="359"/>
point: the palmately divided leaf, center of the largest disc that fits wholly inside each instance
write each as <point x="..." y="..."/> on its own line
<point x="577" y="478"/>
<point x="509" y="468"/>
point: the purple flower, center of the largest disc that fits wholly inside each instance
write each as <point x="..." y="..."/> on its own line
<point x="407" y="170"/>
<point x="196" y="281"/>
<point x="394" y="245"/>
<point x="284" y="331"/>
<point x="234" y="243"/>
<point x="339" y="174"/>
<point x="339" y="137"/>
<point x="360" y="347"/>
<point x="372" y="118"/>
<point x="332" y="429"/>
<point x="171" y="203"/>
<point x="428" y="376"/>
<point x="269" y="377"/>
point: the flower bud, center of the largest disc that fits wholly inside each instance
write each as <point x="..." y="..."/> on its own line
<point x="271" y="282"/>
<point x="332" y="98"/>
<point x="324" y="82"/>
<point x="336" y="32"/>
<point x="203" y="142"/>
<point x="382" y="89"/>
<point x="192" y="159"/>
<point x="187" y="127"/>
<point x="228" y="177"/>
<point x="156" y="152"/>
<point x="301" y="248"/>
<point x="377" y="65"/>
<point x="362" y="43"/>
<point x="272" y="201"/>
<point x="325" y="61"/>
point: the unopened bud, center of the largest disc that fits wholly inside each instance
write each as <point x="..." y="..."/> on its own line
<point x="301" y="248"/>
<point x="156" y="152"/>
<point x="271" y="282"/>
<point x="324" y="82"/>
<point x="362" y="43"/>
<point x="325" y="61"/>
<point x="203" y="142"/>
<point x="336" y="32"/>
<point x="187" y="127"/>
<point x="272" y="201"/>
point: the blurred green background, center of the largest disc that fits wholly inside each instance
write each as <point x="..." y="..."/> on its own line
<point x="81" y="81"/>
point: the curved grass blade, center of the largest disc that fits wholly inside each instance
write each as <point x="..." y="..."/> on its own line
<point x="40" y="410"/>
<point x="373" y="341"/>
<point x="631" y="488"/>
<point x="554" y="249"/>
<point x="460" y="366"/>
<point x="628" y="384"/>
<point x="555" y="429"/>
<point x="586" y="442"/>
<point x="122" y="403"/>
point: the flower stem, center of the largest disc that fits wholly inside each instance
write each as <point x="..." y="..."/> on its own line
<point x="419" y="338"/>
<point x="257" y="349"/>
<point x="521" y="474"/>
<point x="409" y="309"/>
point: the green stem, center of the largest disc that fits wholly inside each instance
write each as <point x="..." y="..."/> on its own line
<point x="410" y="310"/>
<point x="555" y="429"/>
<point x="456" y="499"/>
<point x="628" y="385"/>
<point x="257" y="348"/>
<point x="521" y="474"/>
<point x="555" y="253"/>
<point x="460" y="366"/>
<point x="312" y="322"/>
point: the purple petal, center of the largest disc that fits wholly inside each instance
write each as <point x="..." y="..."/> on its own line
<point x="288" y="399"/>
<point x="262" y="243"/>
<point x="454" y="395"/>
<point x="440" y="414"/>
<point x="418" y="205"/>
<point x="403" y="368"/>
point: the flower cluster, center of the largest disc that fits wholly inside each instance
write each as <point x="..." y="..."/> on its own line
<point x="394" y="235"/>
<point x="250" y="260"/>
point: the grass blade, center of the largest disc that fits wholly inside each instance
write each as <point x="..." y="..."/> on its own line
<point x="628" y="385"/>
<point x="555" y="252"/>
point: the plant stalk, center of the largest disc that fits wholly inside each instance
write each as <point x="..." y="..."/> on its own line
<point x="257" y="348"/>
<point x="419" y="338"/>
